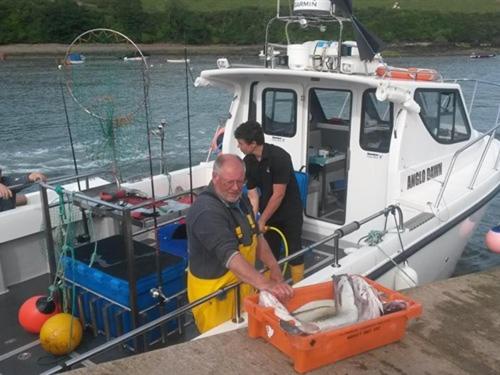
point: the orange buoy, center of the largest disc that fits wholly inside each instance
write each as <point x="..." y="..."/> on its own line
<point x="61" y="334"/>
<point x="35" y="311"/>
<point x="415" y="74"/>
<point x="493" y="239"/>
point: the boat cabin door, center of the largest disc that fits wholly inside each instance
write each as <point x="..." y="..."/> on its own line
<point x="329" y="129"/>
<point x="278" y="108"/>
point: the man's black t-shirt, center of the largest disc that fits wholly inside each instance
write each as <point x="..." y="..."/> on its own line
<point x="275" y="167"/>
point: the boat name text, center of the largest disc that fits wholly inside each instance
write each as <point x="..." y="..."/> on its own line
<point x="424" y="175"/>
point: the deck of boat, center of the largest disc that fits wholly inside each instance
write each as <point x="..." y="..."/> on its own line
<point x="458" y="333"/>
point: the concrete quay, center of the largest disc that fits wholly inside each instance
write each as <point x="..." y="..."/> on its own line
<point x="458" y="333"/>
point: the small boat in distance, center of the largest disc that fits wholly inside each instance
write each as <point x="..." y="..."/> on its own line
<point x="178" y="61"/>
<point x="75" y="59"/>
<point x="481" y="55"/>
<point x="135" y="57"/>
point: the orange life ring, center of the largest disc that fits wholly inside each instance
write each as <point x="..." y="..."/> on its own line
<point x="408" y="73"/>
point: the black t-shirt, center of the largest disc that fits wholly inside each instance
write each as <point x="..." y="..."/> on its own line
<point x="212" y="241"/>
<point x="275" y="167"/>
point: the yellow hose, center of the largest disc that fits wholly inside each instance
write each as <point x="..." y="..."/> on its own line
<point x="285" y="243"/>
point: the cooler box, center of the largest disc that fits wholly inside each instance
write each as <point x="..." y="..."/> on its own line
<point x="173" y="239"/>
<point x="313" y="351"/>
<point x="108" y="278"/>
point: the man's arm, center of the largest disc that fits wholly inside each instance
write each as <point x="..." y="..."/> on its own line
<point x="265" y="254"/>
<point x="248" y="274"/>
<point x="279" y="191"/>
<point x="253" y="197"/>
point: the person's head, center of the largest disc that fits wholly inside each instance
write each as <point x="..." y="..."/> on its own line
<point x="249" y="135"/>
<point x="228" y="177"/>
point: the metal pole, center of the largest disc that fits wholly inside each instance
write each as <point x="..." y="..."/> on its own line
<point x="49" y="239"/>
<point x="130" y="259"/>
<point x="237" y="314"/>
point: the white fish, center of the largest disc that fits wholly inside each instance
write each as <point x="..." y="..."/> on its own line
<point x="355" y="300"/>
<point x="266" y="299"/>
<point x="315" y="310"/>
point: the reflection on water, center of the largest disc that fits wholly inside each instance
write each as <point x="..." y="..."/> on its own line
<point x="35" y="135"/>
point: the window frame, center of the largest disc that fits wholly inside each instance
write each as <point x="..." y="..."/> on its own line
<point x="362" y="125"/>
<point x="457" y="99"/>
<point x="263" y="114"/>
<point x="350" y="95"/>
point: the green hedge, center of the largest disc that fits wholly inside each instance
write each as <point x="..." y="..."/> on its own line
<point x="52" y="21"/>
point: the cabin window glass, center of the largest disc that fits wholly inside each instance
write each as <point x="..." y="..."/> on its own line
<point x="330" y="106"/>
<point x="376" y="123"/>
<point x="443" y="115"/>
<point x="279" y="112"/>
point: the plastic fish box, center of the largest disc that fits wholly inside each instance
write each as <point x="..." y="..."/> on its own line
<point x="173" y="239"/>
<point x="108" y="277"/>
<point x="316" y="350"/>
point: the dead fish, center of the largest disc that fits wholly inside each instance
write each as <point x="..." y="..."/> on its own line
<point x="315" y="311"/>
<point x="354" y="300"/>
<point x="266" y="299"/>
<point x="394" y="306"/>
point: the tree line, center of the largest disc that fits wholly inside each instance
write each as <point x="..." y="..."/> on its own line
<point x="60" y="21"/>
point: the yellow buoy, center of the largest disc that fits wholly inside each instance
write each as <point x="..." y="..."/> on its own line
<point x="61" y="334"/>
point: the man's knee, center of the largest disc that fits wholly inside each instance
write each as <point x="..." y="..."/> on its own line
<point x="21" y="200"/>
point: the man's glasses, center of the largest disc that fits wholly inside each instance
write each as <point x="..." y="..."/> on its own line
<point x="230" y="183"/>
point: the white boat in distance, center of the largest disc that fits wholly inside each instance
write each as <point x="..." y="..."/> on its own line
<point x="397" y="178"/>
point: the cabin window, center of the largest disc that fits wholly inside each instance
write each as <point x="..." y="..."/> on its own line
<point x="279" y="112"/>
<point x="376" y="123"/>
<point x="443" y="114"/>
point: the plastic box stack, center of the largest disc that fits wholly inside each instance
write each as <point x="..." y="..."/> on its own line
<point x="104" y="287"/>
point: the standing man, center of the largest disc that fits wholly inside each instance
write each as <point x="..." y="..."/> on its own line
<point x="269" y="169"/>
<point x="224" y="242"/>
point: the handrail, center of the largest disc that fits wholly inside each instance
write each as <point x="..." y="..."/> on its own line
<point x="474" y="91"/>
<point x="338" y="233"/>
<point x="490" y="133"/>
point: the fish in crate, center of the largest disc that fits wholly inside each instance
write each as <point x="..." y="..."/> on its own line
<point x="330" y="321"/>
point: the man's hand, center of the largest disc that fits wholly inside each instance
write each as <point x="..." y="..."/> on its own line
<point x="262" y="226"/>
<point x="37" y="176"/>
<point x="5" y="192"/>
<point x="280" y="290"/>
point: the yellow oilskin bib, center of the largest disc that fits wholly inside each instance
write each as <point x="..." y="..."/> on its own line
<point x="219" y="310"/>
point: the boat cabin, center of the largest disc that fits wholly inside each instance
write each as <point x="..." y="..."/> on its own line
<point x="360" y="153"/>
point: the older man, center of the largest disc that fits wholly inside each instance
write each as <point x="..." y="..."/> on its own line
<point x="224" y="242"/>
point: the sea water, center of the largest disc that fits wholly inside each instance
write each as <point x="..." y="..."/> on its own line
<point x="34" y="122"/>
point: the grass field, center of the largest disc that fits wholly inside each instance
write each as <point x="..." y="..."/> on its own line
<point x="464" y="6"/>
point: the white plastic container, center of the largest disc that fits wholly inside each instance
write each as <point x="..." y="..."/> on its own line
<point x="312" y="7"/>
<point x="298" y="56"/>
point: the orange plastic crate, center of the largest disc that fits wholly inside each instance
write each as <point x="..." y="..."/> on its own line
<point x="313" y="351"/>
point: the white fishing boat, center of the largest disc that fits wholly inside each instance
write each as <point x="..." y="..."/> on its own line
<point x="395" y="177"/>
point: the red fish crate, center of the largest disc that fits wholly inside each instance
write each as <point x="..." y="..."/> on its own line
<point x="313" y="351"/>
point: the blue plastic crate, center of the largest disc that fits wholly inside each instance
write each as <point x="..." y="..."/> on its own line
<point x="107" y="277"/>
<point x="173" y="239"/>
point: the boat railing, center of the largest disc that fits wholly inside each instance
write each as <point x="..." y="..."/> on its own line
<point x="131" y="335"/>
<point x="491" y="134"/>
<point x="476" y="83"/>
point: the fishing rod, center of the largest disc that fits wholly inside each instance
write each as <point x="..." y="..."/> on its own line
<point x="189" y="128"/>
<point x="75" y="164"/>
<point x="145" y="84"/>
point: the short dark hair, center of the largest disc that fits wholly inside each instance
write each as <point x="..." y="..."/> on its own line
<point x="250" y="131"/>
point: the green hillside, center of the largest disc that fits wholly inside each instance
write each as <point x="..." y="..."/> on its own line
<point x="204" y="22"/>
<point x="462" y="6"/>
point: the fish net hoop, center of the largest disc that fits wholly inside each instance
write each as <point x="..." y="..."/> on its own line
<point x="102" y="46"/>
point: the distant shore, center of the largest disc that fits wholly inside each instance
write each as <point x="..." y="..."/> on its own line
<point x="53" y="49"/>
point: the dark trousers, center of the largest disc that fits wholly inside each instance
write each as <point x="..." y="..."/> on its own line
<point x="292" y="229"/>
